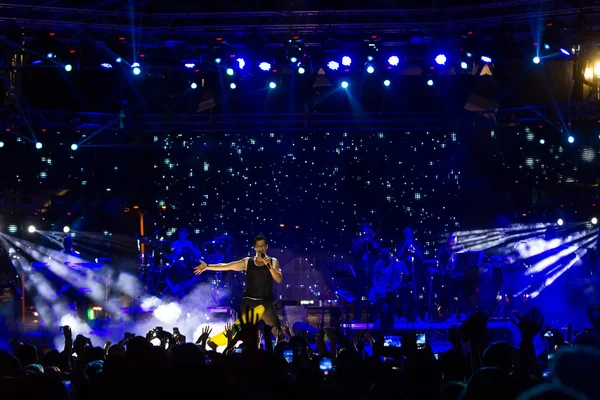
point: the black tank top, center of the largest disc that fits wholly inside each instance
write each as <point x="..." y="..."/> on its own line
<point x="259" y="282"/>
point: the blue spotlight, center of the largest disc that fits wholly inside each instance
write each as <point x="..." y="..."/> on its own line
<point x="394" y="61"/>
<point x="272" y="85"/>
<point x="547" y="46"/>
<point x="264" y="66"/>
<point x="542" y="141"/>
<point x="333" y="65"/>
<point x="229" y="71"/>
<point x="571" y="139"/>
<point x="106" y="65"/>
<point x="50" y="55"/>
<point x="74" y="147"/>
<point x="68" y="68"/>
<point x="38" y="145"/>
<point x="347" y="61"/>
<point x="565" y="52"/>
<point x="536" y="60"/>
<point x="430" y="82"/>
<point x="441" y="59"/>
<point x="469" y="55"/>
<point x="486" y="59"/>
<point x="370" y="58"/>
<point x="217" y="60"/>
<point x="136" y="70"/>
<point x="560" y="222"/>
<point x="194" y="85"/>
<point x="345" y="85"/>
<point x="370" y="69"/>
<point x="301" y="70"/>
<point x="293" y="59"/>
<point x="464" y="65"/>
<point x="233" y="85"/>
<point x="118" y="59"/>
<point x="241" y="63"/>
<point x="387" y="82"/>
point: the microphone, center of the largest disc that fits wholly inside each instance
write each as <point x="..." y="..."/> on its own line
<point x="265" y="260"/>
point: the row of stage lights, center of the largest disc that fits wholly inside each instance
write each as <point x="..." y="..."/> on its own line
<point x="561" y="222"/>
<point x="33" y="229"/>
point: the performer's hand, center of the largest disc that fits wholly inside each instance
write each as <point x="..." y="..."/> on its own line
<point x="200" y="268"/>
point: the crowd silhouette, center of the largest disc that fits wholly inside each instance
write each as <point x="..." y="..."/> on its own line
<point x="260" y="365"/>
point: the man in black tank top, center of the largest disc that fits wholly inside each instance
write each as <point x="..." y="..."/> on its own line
<point x="261" y="271"/>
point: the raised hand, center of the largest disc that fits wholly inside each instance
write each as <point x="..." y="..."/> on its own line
<point x="206" y="331"/>
<point x="530" y="324"/>
<point x="67" y="332"/>
<point x="229" y="333"/>
<point x="200" y="268"/>
<point x="286" y="329"/>
<point x="248" y="332"/>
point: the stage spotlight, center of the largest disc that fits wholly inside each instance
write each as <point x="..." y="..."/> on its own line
<point x="232" y="85"/>
<point x="38" y="145"/>
<point x="430" y="82"/>
<point x="394" y="61"/>
<point x="229" y="71"/>
<point x="370" y="69"/>
<point x="486" y="59"/>
<point x="301" y="70"/>
<point x="194" y="85"/>
<point x="594" y="221"/>
<point x="74" y="147"/>
<point x="547" y="46"/>
<point x="241" y="63"/>
<point x="137" y="70"/>
<point x="293" y="59"/>
<point x="217" y="60"/>
<point x="560" y="222"/>
<point x="1" y="145"/>
<point x="464" y="65"/>
<point x="264" y="66"/>
<point x="542" y="141"/>
<point x="536" y="60"/>
<point x="565" y="52"/>
<point x="441" y="59"/>
<point x="31" y="229"/>
<point x="106" y="65"/>
<point x="571" y="139"/>
<point x="66" y="229"/>
<point x="387" y="82"/>
<point x="469" y="54"/>
<point x="345" y="85"/>
<point x="68" y="68"/>
<point x="272" y="85"/>
<point x="346" y="61"/>
<point x="189" y="65"/>
<point x="118" y="59"/>
<point x="333" y="65"/>
<point x="50" y="55"/>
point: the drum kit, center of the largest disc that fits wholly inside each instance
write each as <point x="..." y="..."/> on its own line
<point x="157" y="261"/>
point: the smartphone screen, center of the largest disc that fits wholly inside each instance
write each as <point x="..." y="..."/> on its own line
<point x="238" y="350"/>
<point x="392" y="341"/>
<point x="288" y="355"/>
<point x="421" y="340"/>
<point x="325" y="365"/>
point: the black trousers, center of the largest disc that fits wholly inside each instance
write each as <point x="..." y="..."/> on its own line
<point x="270" y="315"/>
<point x="386" y="308"/>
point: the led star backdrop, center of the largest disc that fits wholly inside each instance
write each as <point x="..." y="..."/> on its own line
<point x="309" y="192"/>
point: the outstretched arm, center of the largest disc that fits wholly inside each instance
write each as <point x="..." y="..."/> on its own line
<point x="239" y="265"/>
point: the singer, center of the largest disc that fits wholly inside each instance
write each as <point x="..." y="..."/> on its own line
<point x="261" y="271"/>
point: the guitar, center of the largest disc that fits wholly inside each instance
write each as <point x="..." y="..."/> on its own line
<point x="377" y="293"/>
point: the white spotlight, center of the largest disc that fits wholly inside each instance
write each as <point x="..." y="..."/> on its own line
<point x="118" y="59"/>
<point x="536" y="60"/>
<point x="594" y="221"/>
<point x="68" y="67"/>
<point x="542" y="141"/>
<point x="233" y="85"/>
<point x="301" y="70"/>
<point x="370" y="69"/>
<point x="74" y="147"/>
<point x="272" y="85"/>
<point x="137" y="71"/>
<point x="345" y="85"/>
<point x="560" y="222"/>
<point x="31" y="229"/>
<point x="387" y="82"/>
<point x="39" y="145"/>
<point x="229" y="71"/>
<point x="66" y="229"/>
<point x="430" y="82"/>
<point x="194" y="85"/>
<point x="571" y="139"/>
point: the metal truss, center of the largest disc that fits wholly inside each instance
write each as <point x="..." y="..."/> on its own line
<point x="516" y="14"/>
